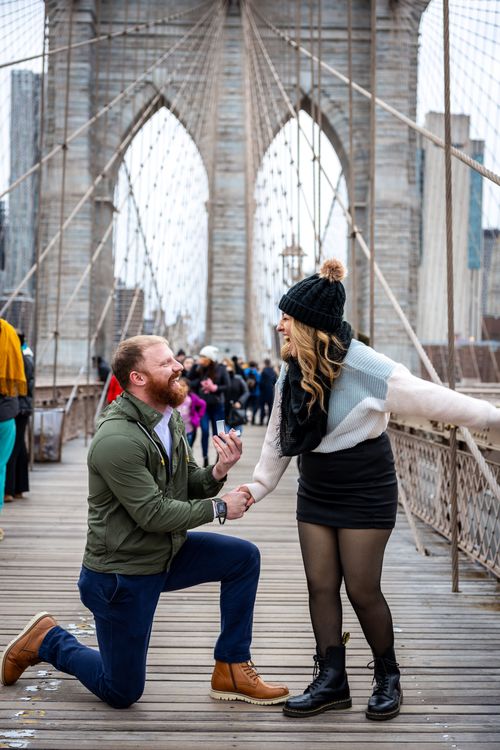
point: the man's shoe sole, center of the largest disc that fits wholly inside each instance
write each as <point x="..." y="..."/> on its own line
<point x="223" y="696"/>
<point x="333" y="706"/>
<point x="34" y="620"/>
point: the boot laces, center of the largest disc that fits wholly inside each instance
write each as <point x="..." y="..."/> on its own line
<point x="250" y="669"/>
<point x="380" y="673"/>
<point x="317" y="675"/>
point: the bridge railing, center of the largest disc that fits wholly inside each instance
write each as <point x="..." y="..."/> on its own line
<point x="422" y="457"/>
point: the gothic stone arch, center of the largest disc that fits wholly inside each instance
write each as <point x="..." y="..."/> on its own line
<point x="98" y="76"/>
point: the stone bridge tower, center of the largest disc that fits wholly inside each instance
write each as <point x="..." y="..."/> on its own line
<point x="98" y="73"/>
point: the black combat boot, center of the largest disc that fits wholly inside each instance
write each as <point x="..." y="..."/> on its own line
<point x="387" y="694"/>
<point x="329" y="689"/>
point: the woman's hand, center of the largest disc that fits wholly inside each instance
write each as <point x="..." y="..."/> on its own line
<point x="208" y="386"/>
<point x="229" y="449"/>
<point x="236" y="504"/>
<point x="251" y="499"/>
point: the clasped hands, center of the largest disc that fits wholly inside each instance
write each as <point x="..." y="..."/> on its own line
<point x="229" y="449"/>
<point x="208" y="386"/>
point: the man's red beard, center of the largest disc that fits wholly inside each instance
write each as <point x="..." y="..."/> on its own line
<point x="172" y="394"/>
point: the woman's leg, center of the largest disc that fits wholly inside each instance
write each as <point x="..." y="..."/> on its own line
<point x="330" y="688"/>
<point x="361" y="554"/>
<point x="320" y="553"/>
<point x="7" y="440"/>
<point x="16" y="478"/>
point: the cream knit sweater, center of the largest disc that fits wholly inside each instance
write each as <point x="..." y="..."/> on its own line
<point x="370" y="387"/>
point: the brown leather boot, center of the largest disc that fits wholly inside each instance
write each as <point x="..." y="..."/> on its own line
<point x="22" y="652"/>
<point x="242" y="682"/>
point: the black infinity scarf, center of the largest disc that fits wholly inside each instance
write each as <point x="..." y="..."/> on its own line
<point x="301" y="429"/>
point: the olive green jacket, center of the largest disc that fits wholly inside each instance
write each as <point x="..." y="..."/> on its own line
<point x="139" y="508"/>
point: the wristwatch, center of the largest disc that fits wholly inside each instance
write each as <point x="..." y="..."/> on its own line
<point x="221" y="510"/>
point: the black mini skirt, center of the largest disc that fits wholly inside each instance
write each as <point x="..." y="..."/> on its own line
<point x="355" y="488"/>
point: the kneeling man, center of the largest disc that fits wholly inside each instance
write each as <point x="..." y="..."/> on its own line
<point x="145" y="492"/>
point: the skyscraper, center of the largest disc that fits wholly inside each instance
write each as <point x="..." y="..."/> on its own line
<point x="24" y="153"/>
<point x="432" y="326"/>
<point x="491" y="278"/>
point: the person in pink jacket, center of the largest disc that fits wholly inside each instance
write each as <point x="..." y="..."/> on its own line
<point x="192" y="409"/>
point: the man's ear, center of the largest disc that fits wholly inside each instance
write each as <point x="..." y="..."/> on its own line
<point x="137" y="378"/>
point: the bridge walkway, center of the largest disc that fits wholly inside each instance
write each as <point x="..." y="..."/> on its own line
<point x="448" y="644"/>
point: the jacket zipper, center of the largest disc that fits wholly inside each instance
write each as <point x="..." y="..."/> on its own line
<point x="152" y="441"/>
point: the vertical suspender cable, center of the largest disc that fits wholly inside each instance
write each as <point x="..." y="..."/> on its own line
<point x="38" y="238"/>
<point x="61" y="217"/>
<point x="320" y="124"/>
<point x="352" y="199"/>
<point x="449" y="272"/>
<point x="313" y="133"/>
<point x="373" y="145"/>
<point x="90" y="317"/>
<point x="298" y="29"/>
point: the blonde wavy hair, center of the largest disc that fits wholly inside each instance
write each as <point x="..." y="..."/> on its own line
<point x="311" y="350"/>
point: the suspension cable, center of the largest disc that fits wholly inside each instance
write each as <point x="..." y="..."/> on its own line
<point x="352" y="182"/>
<point x="79" y="131"/>
<point x="123" y="32"/>
<point x="450" y="294"/>
<point x="457" y="153"/>
<point x="406" y="324"/>
<point x="88" y="193"/>
<point x="107" y="232"/>
<point x="61" y="208"/>
<point x="373" y="145"/>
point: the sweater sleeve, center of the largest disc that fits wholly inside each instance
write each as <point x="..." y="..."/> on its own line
<point x="411" y="396"/>
<point x="271" y="466"/>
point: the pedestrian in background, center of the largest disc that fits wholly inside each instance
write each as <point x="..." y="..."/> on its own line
<point x="12" y="384"/>
<point x="252" y="377"/>
<point x="114" y="389"/>
<point x="17" y="474"/>
<point x="210" y="381"/>
<point x="187" y="366"/>
<point x="191" y="410"/>
<point x="268" y="380"/>
<point x="236" y="397"/>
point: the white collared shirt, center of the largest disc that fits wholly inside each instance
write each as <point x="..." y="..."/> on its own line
<point x="163" y="432"/>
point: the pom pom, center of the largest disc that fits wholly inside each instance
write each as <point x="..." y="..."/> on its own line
<point x="333" y="270"/>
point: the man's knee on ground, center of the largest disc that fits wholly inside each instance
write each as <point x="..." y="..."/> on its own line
<point x="123" y="698"/>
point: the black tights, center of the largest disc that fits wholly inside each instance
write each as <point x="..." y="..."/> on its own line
<point x="356" y="555"/>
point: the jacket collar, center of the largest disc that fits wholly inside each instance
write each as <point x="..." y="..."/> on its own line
<point x="127" y="406"/>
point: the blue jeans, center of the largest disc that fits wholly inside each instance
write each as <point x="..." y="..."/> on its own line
<point x="212" y="414"/>
<point x="123" y="607"/>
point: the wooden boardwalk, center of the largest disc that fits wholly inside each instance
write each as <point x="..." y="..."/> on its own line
<point x="448" y="644"/>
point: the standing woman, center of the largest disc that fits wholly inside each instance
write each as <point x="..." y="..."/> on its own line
<point x="210" y="382"/>
<point x="12" y="385"/>
<point x="17" y="475"/>
<point x="332" y="404"/>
